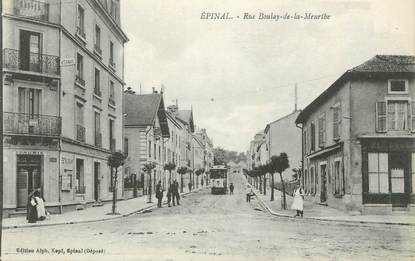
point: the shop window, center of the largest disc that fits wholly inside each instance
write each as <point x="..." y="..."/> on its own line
<point x="378" y="173"/>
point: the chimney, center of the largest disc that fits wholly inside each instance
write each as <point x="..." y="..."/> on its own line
<point x="295" y="97"/>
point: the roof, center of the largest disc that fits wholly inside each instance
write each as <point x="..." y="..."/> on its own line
<point x="280" y="119"/>
<point x="187" y="117"/>
<point x="379" y="65"/>
<point x="141" y="110"/>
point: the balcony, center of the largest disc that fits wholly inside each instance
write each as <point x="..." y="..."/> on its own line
<point x="112" y="144"/>
<point x="80" y="190"/>
<point x="32" y="62"/>
<point x="98" y="139"/>
<point x="81" y="32"/>
<point x="80" y="133"/>
<point x="97" y="92"/>
<point x="31" y="9"/>
<point x="79" y="80"/>
<point x="97" y="49"/>
<point x="111" y="101"/>
<point x="24" y="123"/>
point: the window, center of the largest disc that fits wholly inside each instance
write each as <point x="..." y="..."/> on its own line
<point x="97" y="126"/>
<point x="155" y="151"/>
<point x="79" y="115"/>
<point x="80" y="68"/>
<point x="397" y="86"/>
<point x="111" y="53"/>
<point x="321" y="130"/>
<point x="112" y="93"/>
<point x="413" y="117"/>
<point x="338" y="178"/>
<point x="306" y="181"/>
<point x="397" y="115"/>
<point x="126" y="146"/>
<point x="97" y="82"/>
<point x="336" y="122"/>
<point x="413" y="172"/>
<point x="113" y="10"/>
<point x="378" y="173"/>
<point x="30" y="101"/>
<point x="159" y="153"/>
<point x="80" y="22"/>
<point x="97" y="46"/>
<point x="149" y="149"/>
<point x="313" y="136"/>
<point x="30" y="51"/>
<point x="111" y="135"/>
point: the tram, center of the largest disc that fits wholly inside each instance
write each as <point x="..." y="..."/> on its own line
<point x="219" y="179"/>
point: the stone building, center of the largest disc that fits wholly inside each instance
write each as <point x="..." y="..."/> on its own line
<point x="63" y="84"/>
<point x="359" y="141"/>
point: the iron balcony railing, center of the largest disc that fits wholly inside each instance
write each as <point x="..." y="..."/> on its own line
<point x="112" y="64"/>
<point x="35" y="124"/>
<point x="97" y="92"/>
<point x="98" y="49"/>
<point x="32" y="9"/>
<point x="33" y="62"/>
<point x="98" y="139"/>
<point x="80" y="31"/>
<point x="79" y="80"/>
<point x="80" y="189"/>
<point x="80" y="133"/>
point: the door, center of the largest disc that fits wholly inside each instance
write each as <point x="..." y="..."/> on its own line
<point x="323" y="194"/>
<point x="399" y="178"/>
<point x="30" y="46"/>
<point x="96" y="181"/>
<point x="28" y="179"/>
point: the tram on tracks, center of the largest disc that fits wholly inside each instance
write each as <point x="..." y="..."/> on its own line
<point x="219" y="179"/>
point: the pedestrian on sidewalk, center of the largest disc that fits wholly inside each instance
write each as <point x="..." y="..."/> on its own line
<point x="176" y="195"/>
<point x="169" y="195"/>
<point x="40" y="205"/>
<point x="190" y="186"/>
<point x="249" y="193"/>
<point x="31" y="208"/>
<point x="298" y="203"/>
<point x="231" y="188"/>
<point x="159" y="194"/>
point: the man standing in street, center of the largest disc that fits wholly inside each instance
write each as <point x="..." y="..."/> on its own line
<point x="176" y="194"/>
<point x="159" y="194"/>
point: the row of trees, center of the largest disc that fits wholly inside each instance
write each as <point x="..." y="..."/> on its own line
<point x="117" y="159"/>
<point x="278" y="164"/>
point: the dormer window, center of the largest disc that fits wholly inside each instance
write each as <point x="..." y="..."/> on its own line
<point x="398" y="86"/>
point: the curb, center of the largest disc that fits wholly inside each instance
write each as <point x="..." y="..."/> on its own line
<point x="94" y="220"/>
<point x="262" y="203"/>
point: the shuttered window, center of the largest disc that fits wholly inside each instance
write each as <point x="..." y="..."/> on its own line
<point x="312" y="137"/>
<point x="381" y="116"/>
<point x="322" y="131"/>
<point x="413" y="116"/>
<point x="336" y="122"/>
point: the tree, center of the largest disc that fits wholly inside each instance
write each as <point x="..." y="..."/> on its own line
<point x="263" y="170"/>
<point x="170" y="167"/>
<point x="219" y="156"/>
<point x="148" y="168"/>
<point x="296" y="174"/>
<point x="114" y="161"/>
<point x="182" y="171"/>
<point x="198" y="172"/>
<point x="279" y="164"/>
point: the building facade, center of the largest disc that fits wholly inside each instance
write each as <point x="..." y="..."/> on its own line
<point x="359" y="140"/>
<point x="146" y="133"/>
<point x="63" y="84"/>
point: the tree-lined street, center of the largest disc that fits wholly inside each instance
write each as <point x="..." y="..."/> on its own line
<point x="224" y="227"/>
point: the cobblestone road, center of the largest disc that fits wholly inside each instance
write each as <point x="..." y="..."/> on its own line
<point x="211" y="227"/>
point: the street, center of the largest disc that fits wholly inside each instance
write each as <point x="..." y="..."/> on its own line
<point x="212" y="227"/>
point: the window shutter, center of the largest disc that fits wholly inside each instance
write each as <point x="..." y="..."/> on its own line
<point x="413" y="116"/>
<point x="381" y="116"/>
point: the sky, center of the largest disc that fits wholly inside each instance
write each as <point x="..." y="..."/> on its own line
<point x="238" y="75"/>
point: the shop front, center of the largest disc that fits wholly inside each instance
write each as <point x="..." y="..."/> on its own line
<point x="388" y="167"/>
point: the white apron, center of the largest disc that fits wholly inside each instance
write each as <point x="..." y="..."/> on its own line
<point x="40" y="207"/>
<point x="298" y="202"/>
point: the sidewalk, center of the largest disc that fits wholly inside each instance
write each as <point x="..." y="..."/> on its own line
<point x="91" y="214"/>
<point x="318" y="212"/>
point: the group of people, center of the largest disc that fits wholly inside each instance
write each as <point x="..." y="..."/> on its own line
<point x="36" y="207"/>
<point x="298" y="199"/>
<point x="173" y="195"/>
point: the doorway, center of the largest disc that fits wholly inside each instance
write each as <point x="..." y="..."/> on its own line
<point x="96" y="181"/>
<point x="399" y="178"/>
<point x="28" y="177"/>
<point x="323" y="175"/>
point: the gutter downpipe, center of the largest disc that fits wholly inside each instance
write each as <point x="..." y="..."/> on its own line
<point x="302" y="152"/>
<point x="60" y="111"/>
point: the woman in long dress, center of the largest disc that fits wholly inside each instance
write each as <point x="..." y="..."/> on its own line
<point x="298" y="203"/>
<point x="31" y="208"/>
<point x="40" y="206"/>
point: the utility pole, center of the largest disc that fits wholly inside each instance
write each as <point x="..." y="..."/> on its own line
<point x="295" y="97"/>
